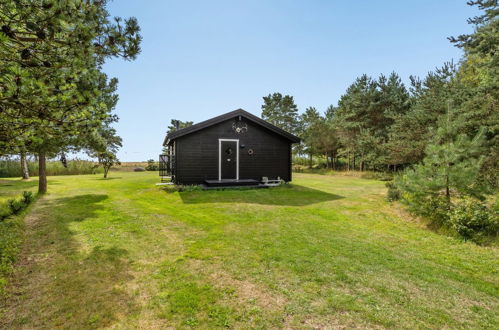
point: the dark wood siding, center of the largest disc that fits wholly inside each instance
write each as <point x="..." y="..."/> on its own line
<point x="197" y="153"/>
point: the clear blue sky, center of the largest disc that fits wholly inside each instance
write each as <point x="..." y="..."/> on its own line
<point x="203" y="58"/>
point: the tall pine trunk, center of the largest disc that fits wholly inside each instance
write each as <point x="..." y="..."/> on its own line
<point x="42" y="173"/>
<point x="24" y="166"/>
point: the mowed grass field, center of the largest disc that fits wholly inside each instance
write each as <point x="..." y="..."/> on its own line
<point x="322" y="252"/>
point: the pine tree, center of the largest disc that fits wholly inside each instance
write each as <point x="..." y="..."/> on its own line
<point x="484" y="41"/>
<point x="103" y="144"/>
<point x="450" y="169"/>
<point x="365" y="115"/>
<point x="310" y="134"/>
<point x="479" y="75"/>
<point x="51" y="53"/>
<point x="176" y="124"/>
<point x="282" y="112"/>
<point x="411" y="131"/>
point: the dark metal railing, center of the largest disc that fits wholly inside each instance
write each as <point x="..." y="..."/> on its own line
<point x="165" y="165"/>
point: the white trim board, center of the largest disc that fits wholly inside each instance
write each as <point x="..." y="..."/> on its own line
<point x="220" y="157"/>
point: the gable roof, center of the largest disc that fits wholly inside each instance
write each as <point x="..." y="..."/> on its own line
<point x="227" y="116"/>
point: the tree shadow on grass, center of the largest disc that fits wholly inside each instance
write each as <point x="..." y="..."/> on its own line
<point x="63" y="284"/>
<point x="287" y="195"/>
<point x="18" y="184"/>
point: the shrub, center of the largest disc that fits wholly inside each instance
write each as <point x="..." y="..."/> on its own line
<point x="385" y="177"/>
<point x="27" y="197"/>
<point x="433" y="207"/>
<point x="152" y="165"/>
<point x="139" y="169"/>
<point x="301" y="161"/>
<point x="5" y="211"/>
<point x="473" y="220"/>
<point x="393" y="193"/>
<point x="299" y="168"/>
<point x="16" y="205"/>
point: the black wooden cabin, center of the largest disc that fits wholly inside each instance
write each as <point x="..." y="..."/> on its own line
<point x="236" y="148"/>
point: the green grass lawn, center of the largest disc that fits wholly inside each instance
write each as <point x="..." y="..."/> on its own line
<point x="324" y="252"/>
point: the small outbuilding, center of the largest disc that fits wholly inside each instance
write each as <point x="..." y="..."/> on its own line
<point x="236" y="148"/>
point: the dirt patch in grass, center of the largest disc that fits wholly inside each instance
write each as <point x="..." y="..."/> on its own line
<point x="247" y="291"/>
<point x="252" y="303"/>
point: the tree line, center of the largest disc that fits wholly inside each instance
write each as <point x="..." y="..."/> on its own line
<point x="381" y="124"/>
<point x="54" y="97"/>
<point x="440" y="133"/>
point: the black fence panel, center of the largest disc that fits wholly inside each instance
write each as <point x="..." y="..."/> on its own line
<point x="164" y="165"/>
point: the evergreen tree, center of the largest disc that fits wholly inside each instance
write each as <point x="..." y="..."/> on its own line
<point x="51" y="54"/>
<point x="411" y="131"/>
<point x="176" y="124"/>
<point x="331" y="112"/>
<point x="310" y="135"/>
<point x="104" y="143"/>
<point x="365" y="114"/>
<point x="450" y="169"/>
<point x="282" y="112"/>
<point x="320" y="135"/>
<point x="484" y="41"/>
<point x="479" y="76"/>
<point x="328" y="142"/>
